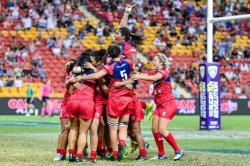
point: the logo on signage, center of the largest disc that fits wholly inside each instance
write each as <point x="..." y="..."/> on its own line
<point x="202" y="71"/>
<point x="212" y="71"/>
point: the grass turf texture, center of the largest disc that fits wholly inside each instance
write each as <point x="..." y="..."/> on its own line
<point x="35" y="145"/>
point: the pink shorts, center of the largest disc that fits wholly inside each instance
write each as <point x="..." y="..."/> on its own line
<point x="64" y="112"/>
<point x="83" y="109"/>
<point x="166" y="110"/>
<point x="99" y="108"/>
<point x="119" y="106"/>
<point x="137" y="114"/>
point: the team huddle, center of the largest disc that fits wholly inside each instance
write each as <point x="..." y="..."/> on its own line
<point x="99" y="98"/>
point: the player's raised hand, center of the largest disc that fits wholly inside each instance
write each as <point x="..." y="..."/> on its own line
<point x="129" y="8"/>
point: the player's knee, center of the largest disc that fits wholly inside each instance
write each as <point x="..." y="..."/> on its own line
<point x="154" y="129"/>
<point x="162" y="130"/>
<point x="93" y="131"/>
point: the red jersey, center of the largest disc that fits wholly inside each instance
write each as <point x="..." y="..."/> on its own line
<point x="87" y="92"/>
<point x="127" y="49"/>
<point x="162" y="88"/>
<point x="118" y="71"/>
<point x="66" y="94"/>
<point x="99" y="95"/>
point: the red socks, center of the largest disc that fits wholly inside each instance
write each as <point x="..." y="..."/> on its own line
<point x="110" y="150"/>
<point x="79" y="155"/>
<point x="143" y="152"/>
<point x="99" y="146"/>
<point x="159" y="143"/>
<point x="115" y="154"/>
<point x="72" y="151"/>
<point x="123" y="142"/>
<point x="63" y="151"/>
<point x="93" y="154"/>
<point x="170" y="139"/>
<point x="58" y="151"/>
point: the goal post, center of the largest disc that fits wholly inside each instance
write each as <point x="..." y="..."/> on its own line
<point x="209" y="74"/>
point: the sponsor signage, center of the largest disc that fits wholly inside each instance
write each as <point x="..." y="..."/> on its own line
<point x="12" y="106"/>
<point x="209" y="86"/>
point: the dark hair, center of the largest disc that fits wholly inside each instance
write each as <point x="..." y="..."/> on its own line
<point x="99" y="55"/>
<point x="83" y="58"/>
<point x="134" y="39"/>
<point x="114" y="51"/>
<point x="71" y="66"/>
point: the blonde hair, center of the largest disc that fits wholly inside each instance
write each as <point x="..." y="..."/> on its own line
<point x="162" y="57"/>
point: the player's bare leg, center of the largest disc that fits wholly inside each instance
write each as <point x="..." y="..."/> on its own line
<point x="101" y="142"/>
<point x="158" y="139"/>
<point x="93" y="138"/>
<point x="82" y="138"/>
<point x="113" y="130"/>
<point x="163" y="125"/>
<point x="62" y="140"/>
<point x="123" y="132"/>
<point x="136" y="128"/>
<point x="74" y="127"/>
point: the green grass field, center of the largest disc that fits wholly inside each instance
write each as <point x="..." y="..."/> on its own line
<point x="32" y="141"/>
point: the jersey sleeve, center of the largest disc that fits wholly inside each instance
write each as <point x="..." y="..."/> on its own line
<point x="164" y="73"/>
<point x="105" y="68"/>
<point x="129" y="50"/>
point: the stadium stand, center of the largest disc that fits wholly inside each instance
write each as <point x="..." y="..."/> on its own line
<point x="37" y="38"/>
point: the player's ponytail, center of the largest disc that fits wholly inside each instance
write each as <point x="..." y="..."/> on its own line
<point x="163" y="59"/>
<point x="132" y="38"/>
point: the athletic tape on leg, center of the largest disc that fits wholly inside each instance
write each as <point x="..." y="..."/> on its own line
<point x="123" y="123"/>
<point x="112" y="123"/>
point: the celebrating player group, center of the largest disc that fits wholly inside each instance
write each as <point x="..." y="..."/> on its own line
<point x="99" y="98"/>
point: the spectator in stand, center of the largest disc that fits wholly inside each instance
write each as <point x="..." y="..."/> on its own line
<point x="34" y="73"/>
<point x="81" y="34"/>
<point x="99" y="30"/>
<point x="64" y="51"/>
<point x="15" y="12"/>
<point x="229" y="74"/>
<point x="9" y="82"/>
<point x="27" y="21"/>
<point x="10" y="55"/>
<point x="18" y="71"/>
<point x="100" y="40"/>
<point x="2" y="83"/>
<point x="18" y="83"/>
<point x="244" y="66"/>
<point x="42" y="73"/>
<point x="67" y="42"/>
<point x="159" y="43"/>
<point x="2" y="70"/>
<point x="176" y="92"/>
<point x="247" y="53"/>
<point x="88" y="27"/>
<point x="10" y="72"/>
<point x="32" y="46"/>
<point x="224" y="89"/>
<point x="51" y="42"/>
<point x="42" y="22"/>
<point x="237" y="88"/>
<point x="247" y="89"/>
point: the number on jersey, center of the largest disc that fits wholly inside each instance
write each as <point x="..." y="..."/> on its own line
<point x="124" y="75"/>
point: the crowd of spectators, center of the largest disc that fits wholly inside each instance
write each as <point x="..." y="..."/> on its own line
<point x="178" y="24"/>
<point x="190" y="17"/>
